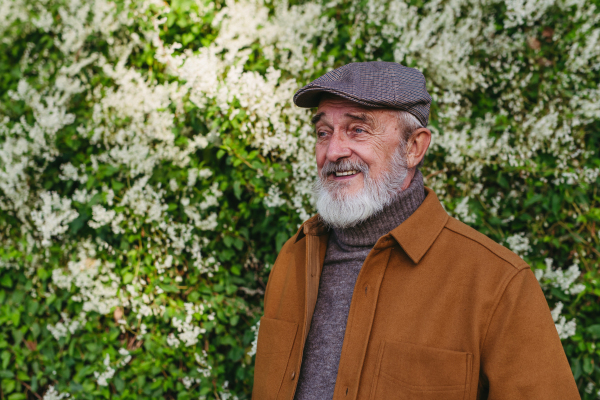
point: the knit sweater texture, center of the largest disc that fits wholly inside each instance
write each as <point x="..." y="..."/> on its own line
<point x="346" y="252"/>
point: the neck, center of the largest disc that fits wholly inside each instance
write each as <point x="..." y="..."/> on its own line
<point x="409" y="177"/>
<point x="369" y="231"/>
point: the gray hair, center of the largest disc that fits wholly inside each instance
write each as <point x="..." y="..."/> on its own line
<point x="408" y="125"/>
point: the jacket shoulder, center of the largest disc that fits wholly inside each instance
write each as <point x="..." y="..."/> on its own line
<point x="485" y="243"/>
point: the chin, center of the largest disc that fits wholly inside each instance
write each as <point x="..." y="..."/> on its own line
<point x="346" y="193"/>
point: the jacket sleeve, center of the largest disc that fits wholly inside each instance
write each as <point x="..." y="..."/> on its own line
<point x="522" y="356"/>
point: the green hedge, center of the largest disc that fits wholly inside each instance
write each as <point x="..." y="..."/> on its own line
<point x="152" y="165"/>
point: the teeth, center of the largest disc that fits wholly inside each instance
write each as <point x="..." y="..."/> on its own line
<point x="345" y="173"/>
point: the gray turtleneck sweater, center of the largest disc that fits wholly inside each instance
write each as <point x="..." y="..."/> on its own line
<point x="347" y="250"/>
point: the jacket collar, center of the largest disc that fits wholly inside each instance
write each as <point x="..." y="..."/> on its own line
<point x="312" y="226"/>
<point x="419" y="231"/>
<point x="415" y="235"/>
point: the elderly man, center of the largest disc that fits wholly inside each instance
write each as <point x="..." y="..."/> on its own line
<point x="382" y="295"/>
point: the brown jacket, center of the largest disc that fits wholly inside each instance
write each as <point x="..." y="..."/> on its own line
<point x="439" y="312"/>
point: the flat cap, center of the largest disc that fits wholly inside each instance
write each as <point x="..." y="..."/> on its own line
<point x="374" y="84"/>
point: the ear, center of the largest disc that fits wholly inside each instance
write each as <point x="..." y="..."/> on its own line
<point x="417" y="146"/>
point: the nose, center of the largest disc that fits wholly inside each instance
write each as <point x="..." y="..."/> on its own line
<point x="338" y="147"/>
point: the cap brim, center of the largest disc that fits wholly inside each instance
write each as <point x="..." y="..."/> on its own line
<point x="311" y="97"/>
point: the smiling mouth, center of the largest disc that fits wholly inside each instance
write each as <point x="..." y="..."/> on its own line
<point x="346" y="173"/>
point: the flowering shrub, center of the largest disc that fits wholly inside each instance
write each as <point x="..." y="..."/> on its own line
<point x="152" y="164"/>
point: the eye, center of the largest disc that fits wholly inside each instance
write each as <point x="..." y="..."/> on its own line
<point x="359" y="130"/>
<point x="321" y="134"/>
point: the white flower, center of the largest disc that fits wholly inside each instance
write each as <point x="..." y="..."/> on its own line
<point x="61" y="329"/>
<point x="188" y="333"/>
<point x="255" y="329"/>
<point x="273" y="198"/>
<point x="102" y="378"/>
<point x="565" y="328"/>
<point x="188" y="381"/>
<point x="462" y="212"/>
<point x="519" y="243"/>
<point x="172" y="341"/>
<point x="101" y="216"/>
<point x="96" y="285"/>
<point x="564" y="280"/>
<point x="69" y="172"/>
<point x="127" y="357"/>
<point x="173" y="185"/>
<point x="205" y="173"/>
<point x="53" y="216"/>
<point x="192" y="177"/>
<point x="53" y="394"/>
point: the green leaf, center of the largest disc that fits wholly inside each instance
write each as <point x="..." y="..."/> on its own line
<point x="169" y="288"/>
<point x="119" y="383"/>
<point x="502" y="180"/>
<point x="127" y="278"/>
<point x="15" y="317"/>
<point x="35" y="330"/>
<point x="23" y="376"/>
<point x="8" y="385"/>
<point x="594" y="330"/>
<point x="532" y="200"/>
<point x="238" y="243"/>
<point x="237" y="190"/>
<point x="116" y="185"/>
<point x="576" y="368"/>
<point x="42" y="274"/>
<point x="556" y="201"/>
<point x="588" y="365"/>
<point x="6" y="281"/>
<point x="228" y="240"/>
<point x="6" y="356"/>
<point x="280" y="239"/>
<point x="4" y="373"/>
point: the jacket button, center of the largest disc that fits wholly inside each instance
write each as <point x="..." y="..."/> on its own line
<point x="293" y="374"/>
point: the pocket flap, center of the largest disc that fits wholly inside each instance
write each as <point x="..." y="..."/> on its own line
<point x="417" y="365"/>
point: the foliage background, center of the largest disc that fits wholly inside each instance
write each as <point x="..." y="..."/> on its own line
<point x="152" y="164"/>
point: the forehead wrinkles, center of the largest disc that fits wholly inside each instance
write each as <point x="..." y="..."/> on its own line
<point x="346" y="115"/>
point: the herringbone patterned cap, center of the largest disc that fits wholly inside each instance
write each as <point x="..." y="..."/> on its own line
<point x="374" y="84"/>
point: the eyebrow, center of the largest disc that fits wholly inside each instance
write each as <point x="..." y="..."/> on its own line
<point x="359" y="117"/>
<point x="316" y="118"/>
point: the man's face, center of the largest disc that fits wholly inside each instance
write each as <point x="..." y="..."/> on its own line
<point x="361" y="160"/>
<point x="347" y="132"/>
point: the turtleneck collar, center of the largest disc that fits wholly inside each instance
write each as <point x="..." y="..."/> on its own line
<point x="366" y="233"/>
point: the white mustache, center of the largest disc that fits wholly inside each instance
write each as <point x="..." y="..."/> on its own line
<point x="343" y="165"/>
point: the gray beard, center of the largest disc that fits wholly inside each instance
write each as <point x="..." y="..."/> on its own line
<point x="340" y="210"/>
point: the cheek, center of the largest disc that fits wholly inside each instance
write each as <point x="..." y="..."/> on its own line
<point x="377" y="156"/>
<point x="320" y="153"/>
<point x="372" y="154"/>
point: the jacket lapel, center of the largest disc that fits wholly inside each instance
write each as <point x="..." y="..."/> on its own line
<point x="313" y="274"/>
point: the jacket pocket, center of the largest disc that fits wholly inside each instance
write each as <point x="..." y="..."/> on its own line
<point x="412" y="372"/>
<point x="275" y="341"/>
